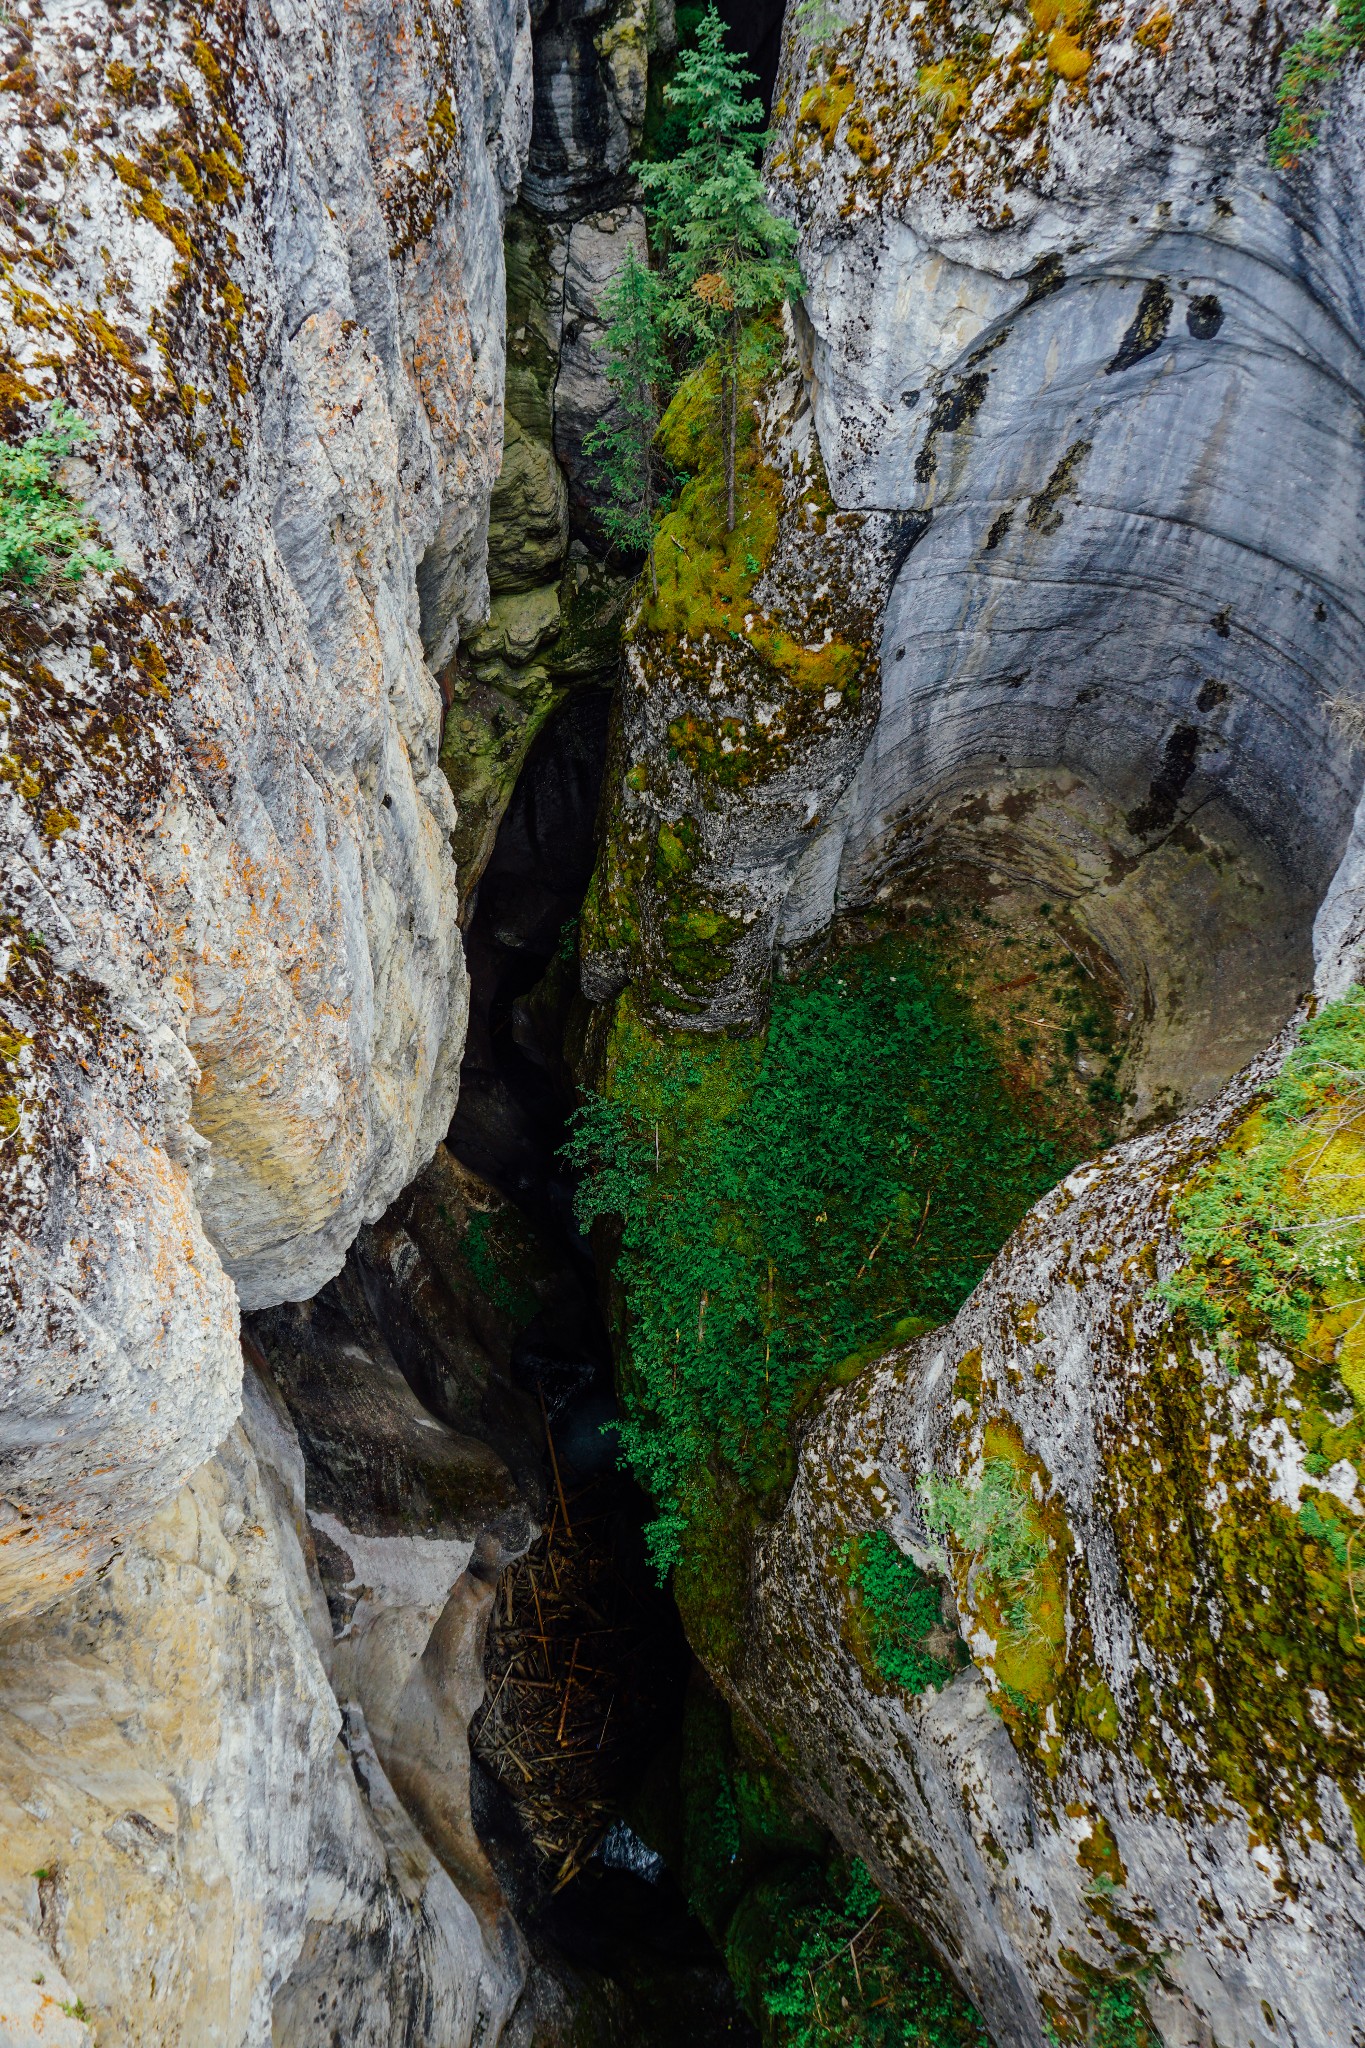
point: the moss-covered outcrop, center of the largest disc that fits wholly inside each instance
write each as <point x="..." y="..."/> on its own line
<point x="750" y="690"/>
<point x="1144" y="1496"/>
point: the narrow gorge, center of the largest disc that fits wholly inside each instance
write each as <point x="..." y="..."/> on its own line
<point x="682" y="1024"/>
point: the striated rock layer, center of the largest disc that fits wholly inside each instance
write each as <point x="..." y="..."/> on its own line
<point x="259" y="250"/>
<point x="1114" y="365"/>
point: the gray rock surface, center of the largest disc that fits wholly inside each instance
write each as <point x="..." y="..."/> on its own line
<point x="263" y="259"/>
<point x="188" y="1853"/>
<point x="1115" y="368"/>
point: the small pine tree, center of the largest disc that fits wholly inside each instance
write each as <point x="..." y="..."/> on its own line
<point x="728" y="253"/>
<point x="621" y="446"/>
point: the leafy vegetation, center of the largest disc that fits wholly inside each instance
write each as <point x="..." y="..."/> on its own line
<point x="818" y="1957"/>
<point x="821" y="23"/>
<point x="1275" y="1225"/>
<point x="784" y="1204"/>
<point x="900" y="1607"/>
<point x="990" y="1522"/>
<point x="1311" y="66"/>
<point x="848" y="1971"/>
<point x="46" y="538"/>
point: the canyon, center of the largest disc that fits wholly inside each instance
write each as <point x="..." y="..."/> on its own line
<point x="371" y="814"/>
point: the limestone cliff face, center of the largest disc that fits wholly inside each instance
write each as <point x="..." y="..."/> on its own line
<point x="1069" y="318"/>
<point x="190" y="1855"/>
<point x="259" y="249"/>
<point x="1103" y="368"/>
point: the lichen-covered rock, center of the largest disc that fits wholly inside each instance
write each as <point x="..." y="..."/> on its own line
<point x="1063" y="313"/>
<point x="750" y="693"/>
<point x="1151" y="1774"/>
<point x="259" y="250"/>
<point x="593" y="252"/>
<point x="186" y="1851"/>
<point x="591" y="78"/>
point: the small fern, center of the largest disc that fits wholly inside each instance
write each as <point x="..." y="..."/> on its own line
<point x="46" y="536"/>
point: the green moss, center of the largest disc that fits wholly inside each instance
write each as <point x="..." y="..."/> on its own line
<point x="1009" y="1545"/>
<point x="707" y="575"/>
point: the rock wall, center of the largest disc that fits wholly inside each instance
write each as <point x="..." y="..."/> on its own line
<point x="1103" y="367"/>
<point x="259" y="250"/>
<point x="558" y="594"/>
<point x="1072" y="321"/>
<point x="190" y="1854"/>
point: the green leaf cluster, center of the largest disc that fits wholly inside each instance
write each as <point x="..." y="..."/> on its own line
<point x="1274" y="1226"/>
<point x="848" y="1971"/>
<point x="1310" y="67"/>
<point x="785" y="1203"/>
<point x="783" y="1909"/>
<point x="989" y="1521"/>
<point x="46" y="538"/>
<point x="901" y="1607"/>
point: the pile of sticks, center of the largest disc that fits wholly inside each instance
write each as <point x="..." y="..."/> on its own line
<point x="578" y="1665"/>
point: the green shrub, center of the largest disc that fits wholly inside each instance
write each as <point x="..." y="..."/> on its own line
<point x="1311" y="66"/>
<point x="46" y="538"/>
<point x="784" y="1204"/>
<point x="901" y="1607"/>
<point x="990" y="1521"/>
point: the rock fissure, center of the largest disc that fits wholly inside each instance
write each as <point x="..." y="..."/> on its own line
<point x="835" y="1069"/>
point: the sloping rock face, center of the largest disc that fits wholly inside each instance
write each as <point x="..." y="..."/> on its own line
<point x="1157" y="1780"/>
<point x="1062" y="311"/>
<point x="190" y="1855"/>
<point x="259" y="249"/>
